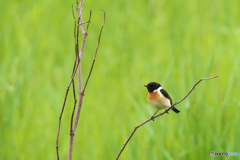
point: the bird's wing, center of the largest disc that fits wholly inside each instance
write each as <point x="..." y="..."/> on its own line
<point x="166" y="95"/>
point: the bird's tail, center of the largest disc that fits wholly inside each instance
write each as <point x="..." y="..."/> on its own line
<point x="175" y="110"/>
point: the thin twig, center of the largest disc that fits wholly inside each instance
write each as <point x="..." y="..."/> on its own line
<point x="75" y="101"/>
<point x="78" y="56"/>
<point x="89" y="20"/>
<point x="76" y="5"/>
<point x="84" y="22"/>
<point x="81" y="94"/>
<point x="84" y="33"/>
<point x="76" y="62"/>
<point x="159" y="115"/>
<point x="83" y="43"/>
<point x="72" y="77"/>
<point x="60" y="117"/>
<point x="79" y="10"/>
<point x="75" y="40"/>
<point x="78" y="59"/>
<point x="59" y="123"/>
<point x="190" y="91"/>
<point x="99" y="37"/>
<point x="79" y="78"/>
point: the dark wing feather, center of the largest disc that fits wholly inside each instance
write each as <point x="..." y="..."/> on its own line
<point x="166" y="95"/>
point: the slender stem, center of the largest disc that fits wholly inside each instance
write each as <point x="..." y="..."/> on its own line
<point x="78" y="59"/>
<point x="60" y="117"/>
<point x="75" y="101"/>
<point x="76" y="62"/>
<point x="59" y="123"/>
<point x="84" y="22"/>
<point x="71" y="81"/>
<point x="79" y="10"/>
<point x="99" y="37"/>
<point x="81" y="93"/>
<point x="77" y="67"/>
<point x="79" y="78"/>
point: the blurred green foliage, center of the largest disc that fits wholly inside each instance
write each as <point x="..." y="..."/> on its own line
<point x="172" y="42"/>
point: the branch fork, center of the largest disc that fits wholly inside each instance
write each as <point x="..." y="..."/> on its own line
<point x="77" y="67"/>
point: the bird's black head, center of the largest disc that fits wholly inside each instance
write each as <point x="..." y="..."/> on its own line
<point x="152" y="86"/>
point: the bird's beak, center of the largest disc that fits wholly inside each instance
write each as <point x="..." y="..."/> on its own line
<point x="145" y="85"/>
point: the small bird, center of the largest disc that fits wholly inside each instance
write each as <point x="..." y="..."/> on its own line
<point x="159" y="98"/>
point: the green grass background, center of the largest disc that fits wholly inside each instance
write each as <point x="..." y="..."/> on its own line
<point x="172" y="42"/>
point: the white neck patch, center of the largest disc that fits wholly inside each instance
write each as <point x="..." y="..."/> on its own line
<point x="158" y="89"/>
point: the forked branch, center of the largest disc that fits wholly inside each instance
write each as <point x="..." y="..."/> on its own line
<point x="81" y="92"/>
<point x="77" y="67"/>
<point x="160" y="114"/>
<point x="99" y="37"/>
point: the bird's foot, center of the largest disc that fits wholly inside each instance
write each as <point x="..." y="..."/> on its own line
<point x="166" y="111"/>
<point x="152" y="118"/>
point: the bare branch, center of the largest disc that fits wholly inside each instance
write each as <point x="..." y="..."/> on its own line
<point x="81" y="93"/>
<point x="76" y="62"/>
<point x="82" y="48"/>
<point x="76" y="5"/>
<point x="71" y="81"/>
<point x="78" y="59"/>
<point x="84" y="22"/>
<point x="75" y="36"/>
<point x="76" y="67"/>
<point x="73" y="73"/>
<point x="159" y="115"/>
<point x="99" y="37"/>
<point x="60" y="117"/>
<point x="89" y="20"/>
<point x="79" y="79"/>
<point x="79" y="10"/>
<point x="59" y="123"/>
<point x="188" y="93"/>
<point x="75" y="101"/>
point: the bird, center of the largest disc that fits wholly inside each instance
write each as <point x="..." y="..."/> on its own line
<point x="159" y="98"/>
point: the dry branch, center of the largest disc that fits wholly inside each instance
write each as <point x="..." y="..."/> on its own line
<point x="81" y="92"/>
<point x="77" y="67"/>
<point x="160" y="115"/>
<point x="95" y="52"/>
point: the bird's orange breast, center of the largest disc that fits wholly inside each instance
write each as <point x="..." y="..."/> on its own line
<point x="153" y="95"/>
<point x="157" y="100"/>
